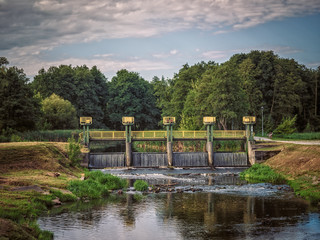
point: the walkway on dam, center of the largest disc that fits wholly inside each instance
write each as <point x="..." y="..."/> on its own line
<point x="300" y="142"/>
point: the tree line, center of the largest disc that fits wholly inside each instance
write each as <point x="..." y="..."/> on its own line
<point x="256" y="83"/>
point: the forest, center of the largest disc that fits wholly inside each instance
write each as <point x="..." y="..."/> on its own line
<point x="257" y="83"/>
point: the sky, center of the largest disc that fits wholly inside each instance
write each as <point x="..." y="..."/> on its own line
<point x="154" y="37"/>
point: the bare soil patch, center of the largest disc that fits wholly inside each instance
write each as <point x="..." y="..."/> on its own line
<point x="297" y="160"/>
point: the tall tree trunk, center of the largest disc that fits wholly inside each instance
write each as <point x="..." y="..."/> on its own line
<point x="223" y="123"/>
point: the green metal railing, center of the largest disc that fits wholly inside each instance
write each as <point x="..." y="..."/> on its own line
<point x="136" y="135"/>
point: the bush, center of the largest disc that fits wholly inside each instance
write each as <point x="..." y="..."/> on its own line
<point x="110" y="181"/>
<point x="74" y="151"/>
<point x="64" y="197"/>
<point x="15" y="138"/>
<point x="88" y="189"/>
<point x="262" y="173"/>
<point x="287" y="126"/>
<point x="140" y="185"/>
<point x="96" y="185"/>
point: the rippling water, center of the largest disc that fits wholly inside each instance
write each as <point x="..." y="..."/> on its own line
<point x="223" y="207"/>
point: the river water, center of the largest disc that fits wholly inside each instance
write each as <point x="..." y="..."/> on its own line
<point x="191" y="204"/>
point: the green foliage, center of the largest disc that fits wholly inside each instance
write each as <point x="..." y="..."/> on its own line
<point x="131" y="95"/>
<point x="262" y="173"/>
<point x="88" y="189"/>
<point x="304" y="188"/>
<point x="287" y="126"/>
<point x="183" y="83"/>
<point x="15" y="138"/>
<point x="85" y="88"/>
<point x="140" y="185"/>
<point x="50" y="135"/>
<point x="96" y="185"/>
<point x="58" y="113"/>
<point x="18" y="109"/>
<point x="64" y="197"/>
<point x="23" y="205"/>
<point x="110" y="181"/>
<point x="74" y="151"/>
<point x="302" y="136"/>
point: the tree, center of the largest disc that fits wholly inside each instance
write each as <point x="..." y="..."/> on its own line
<point x="85" y="88"/>
<point x="247" y="73"/>
<point x="221" y="95"/>
<point x="183" y="83"/>
<point x="59" y="113"/>
<point x="131" y="95"/>
<point x="18" y="109"/>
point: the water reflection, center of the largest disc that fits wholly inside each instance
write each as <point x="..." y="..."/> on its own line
<point x="186" y="216"/>
<point x="225" y="209"/>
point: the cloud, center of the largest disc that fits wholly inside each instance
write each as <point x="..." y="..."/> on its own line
<point x="165" y="55"/>
<point x="106" y="63"/>
<point x="215" y="55"/>
<point x="53" y="22"/>
<point x="223" y="55"/>
<point x="174" y="52"/>
<point x="29" y="29"/>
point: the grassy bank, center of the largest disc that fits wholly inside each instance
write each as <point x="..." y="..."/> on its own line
<point x="36" y="176"/>
<point x="299" y="136"/>
<point x="298" y="165"/>
<point x="40" y="136"/>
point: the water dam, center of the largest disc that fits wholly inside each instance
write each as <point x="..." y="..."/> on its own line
<point x="180" y="159"/>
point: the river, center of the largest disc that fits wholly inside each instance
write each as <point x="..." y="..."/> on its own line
<point x="192" y="204"/>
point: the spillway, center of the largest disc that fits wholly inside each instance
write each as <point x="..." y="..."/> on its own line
<point x="180" y="159"/>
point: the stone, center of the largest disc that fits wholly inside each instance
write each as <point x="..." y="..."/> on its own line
<point x="56" y="201"/>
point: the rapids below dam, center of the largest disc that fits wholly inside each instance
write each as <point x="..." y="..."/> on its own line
<point x="198" y="203"/>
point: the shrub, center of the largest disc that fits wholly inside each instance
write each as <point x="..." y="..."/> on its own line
<point x="74" y="151"/>
<point x="140" y="185"/>
<point x="88" y="189"/>
<point x="96" y="185"/>
<point x="110" y="181"/>
<point x="287" y="126"/>
<point x="15" y="138"/>
<point x="262" y="173"/>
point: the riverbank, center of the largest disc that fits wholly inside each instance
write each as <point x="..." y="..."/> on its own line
<point x="32" y="176"/>
<point x="300" y="164"/>
<point x="297" y="164"/>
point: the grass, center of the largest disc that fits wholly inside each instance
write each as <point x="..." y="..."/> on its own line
<point x="36" y="165"/>
<point x="305" y="188"/>
<point x="262" y="173"/>
<point x="140" y="185"/>
<point x="299" y="136"/>
<point x="20" y="210"/>
<point x="96" y="185"/>
<point x="42" y="136"/>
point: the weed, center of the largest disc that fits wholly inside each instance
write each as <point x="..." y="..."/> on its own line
<point x="74" y="151"/>
<point x="96" y="185"/>
<point x="262" y="173"/>
<point x="140" y="185"/>
<point x="64" y="197"/>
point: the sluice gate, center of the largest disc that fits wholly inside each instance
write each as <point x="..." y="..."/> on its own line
<point x="106" y="160"/>
<point x="228" y="159"/>
<point x="148" y="159"/>
<point x="190" y="159"/>
<point x="180" y="159"/>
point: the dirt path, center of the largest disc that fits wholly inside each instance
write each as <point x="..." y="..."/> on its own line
<point x="301" y="142"/>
